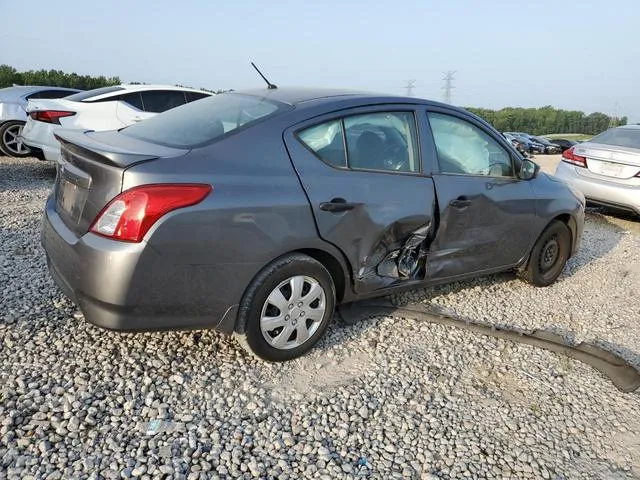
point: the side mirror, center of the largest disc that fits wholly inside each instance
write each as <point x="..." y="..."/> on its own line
<point x="528" y="170"/>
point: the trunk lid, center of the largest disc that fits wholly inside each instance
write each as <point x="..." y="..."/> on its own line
<point x="90" y="171"/>
<point x="610" y="162"/>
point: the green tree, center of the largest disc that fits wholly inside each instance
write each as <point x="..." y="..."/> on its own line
<point x="546" y="120"/>
<point x="9" y="76"/>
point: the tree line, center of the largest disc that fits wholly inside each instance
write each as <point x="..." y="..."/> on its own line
<point x="547" y="120"/>
<point x="9" y="76"/>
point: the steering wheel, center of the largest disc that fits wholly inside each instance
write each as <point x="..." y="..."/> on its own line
<point x="396" y="158"/>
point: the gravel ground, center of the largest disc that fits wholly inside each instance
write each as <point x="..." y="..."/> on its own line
<point x="387" y="398"/>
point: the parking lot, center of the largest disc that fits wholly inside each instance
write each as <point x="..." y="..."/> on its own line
<point x="387" y="398"/>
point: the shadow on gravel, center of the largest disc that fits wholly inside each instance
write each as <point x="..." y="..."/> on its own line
<point x="603" y="358"/>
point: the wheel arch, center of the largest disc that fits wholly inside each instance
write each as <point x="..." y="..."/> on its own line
<point x="334" y="266"/>
<point x="570" y="222"/>
<point x="565" y="218"/>
<point x="337" y="267"/>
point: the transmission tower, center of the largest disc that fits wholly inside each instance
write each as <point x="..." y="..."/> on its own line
<point x="409" y="86"/>
<point x="448" y="85"/>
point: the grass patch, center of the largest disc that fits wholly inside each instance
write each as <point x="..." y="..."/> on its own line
<point x="578" y="137"/>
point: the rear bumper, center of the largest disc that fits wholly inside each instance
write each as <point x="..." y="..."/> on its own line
<point x="601" y="192"/>
<point x="129" y="287"/>
<point x="39" y="135"/>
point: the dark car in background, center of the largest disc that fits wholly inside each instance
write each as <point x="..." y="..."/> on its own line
<point x="563" y="143"/>
<point x="518" y="143"/>
<point x="549" y="148"/>
<point x="531" y="145"/>
<point x="257" y="212"/>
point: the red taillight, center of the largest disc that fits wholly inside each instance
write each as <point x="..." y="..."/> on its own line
<point x="570" y="157"/>
<point x="50" y="116"/>
<point x="130" y="215"/>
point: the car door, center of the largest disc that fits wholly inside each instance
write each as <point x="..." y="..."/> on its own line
<point x="485" y="211"/>
<point x="363" y="175"/>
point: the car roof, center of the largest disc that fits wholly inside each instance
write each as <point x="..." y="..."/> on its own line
<point x="141" y="87"/>
<point x="17" y="91"/>
<point x="298" y="96"/>
<point x="128" y="87"/>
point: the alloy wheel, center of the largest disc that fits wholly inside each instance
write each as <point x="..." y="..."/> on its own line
<point x="11" y="141"/>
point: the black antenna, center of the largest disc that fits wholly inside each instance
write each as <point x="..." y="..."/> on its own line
<point x="270" y="85"/>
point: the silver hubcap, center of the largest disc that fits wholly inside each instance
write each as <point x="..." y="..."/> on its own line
<point x="12" y="142"/>
<point x="293" y="312"/>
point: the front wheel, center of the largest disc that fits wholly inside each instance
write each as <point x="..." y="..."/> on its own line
<point x="286" y="308"/>
<point x="10" y="142"/>
<point x="549" y="255"/>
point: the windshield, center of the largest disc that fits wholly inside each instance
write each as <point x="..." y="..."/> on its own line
<point x="79" y="97"/>
<point x="198" y="123"/>
<point x="622" y="137"/>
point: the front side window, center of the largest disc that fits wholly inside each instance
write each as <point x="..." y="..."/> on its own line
<point x="465" y="149"/>
<point x="383" y="141"/>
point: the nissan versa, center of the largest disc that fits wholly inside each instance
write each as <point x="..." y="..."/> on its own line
<point x="256" y="213"/>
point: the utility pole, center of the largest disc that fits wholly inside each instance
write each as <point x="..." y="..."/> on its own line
<point x="614" y="118"/>
<point x="448" y="85"/>
<point x="409" y="86"/>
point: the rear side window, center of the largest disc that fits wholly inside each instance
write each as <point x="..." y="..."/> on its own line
<point x="132" y="99"/>
<point x="193" y="96"/>
<point x="623" y="137"/>
<point x="50" y="94"/>
<point x="158" y="101"/>
<point x="382" y="141"/>
<point x="327" y="142"/>
<point x="89" y="94"/>
<point x="199" y="123"/>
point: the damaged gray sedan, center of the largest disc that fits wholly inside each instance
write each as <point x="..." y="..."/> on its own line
<point x="257" y="212"/>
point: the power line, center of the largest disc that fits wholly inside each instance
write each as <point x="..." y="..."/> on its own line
<point x="409" y="86"/>
<point x="448" y="85"/>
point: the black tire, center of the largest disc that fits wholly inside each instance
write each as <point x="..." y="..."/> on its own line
<point x="248" y="328"/>
<point x="7" y="132"/>
<point x="549" y="255"/>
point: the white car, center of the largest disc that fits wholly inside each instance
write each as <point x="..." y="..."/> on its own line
<point x="13" y="114"/>
<point x="108" y="108"/>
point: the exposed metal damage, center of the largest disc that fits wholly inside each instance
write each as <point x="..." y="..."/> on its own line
<point x="623" y="375"/>
<point x="397" y="256"/>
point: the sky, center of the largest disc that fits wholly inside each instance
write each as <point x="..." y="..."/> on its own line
<point x="579" y="55"/>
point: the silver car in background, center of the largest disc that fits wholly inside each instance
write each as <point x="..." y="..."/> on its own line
<point x="13" y="115"/>
<point x="606" y="169"/>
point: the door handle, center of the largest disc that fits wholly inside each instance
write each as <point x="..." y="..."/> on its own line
<point x="460" y="202"/>
<point x="337" y="205"/>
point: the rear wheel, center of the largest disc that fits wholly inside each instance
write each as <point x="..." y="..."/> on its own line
<point x="10" y="142"/>
<point x="549" y="255"/>
<point x="286" y="309"/>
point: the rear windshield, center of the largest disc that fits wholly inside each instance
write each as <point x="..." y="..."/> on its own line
<point x="622" y="137"/>
<point x="79" y="97"/>
<point x="198" y="123"/>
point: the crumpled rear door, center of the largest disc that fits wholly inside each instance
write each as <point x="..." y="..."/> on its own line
<point x="380" y="221"/>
